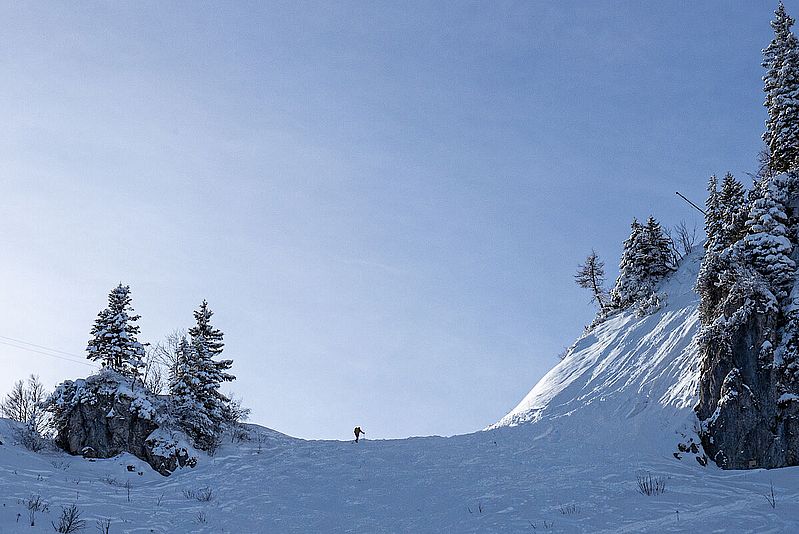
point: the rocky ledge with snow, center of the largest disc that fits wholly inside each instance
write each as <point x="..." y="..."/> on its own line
<point x="106" y="414"/>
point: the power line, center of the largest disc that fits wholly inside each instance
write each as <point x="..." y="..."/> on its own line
<point x="47" y="353"/>
<point x="40" y="346"/>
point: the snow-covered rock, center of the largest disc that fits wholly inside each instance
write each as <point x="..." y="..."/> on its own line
<point x="106" y="414"/>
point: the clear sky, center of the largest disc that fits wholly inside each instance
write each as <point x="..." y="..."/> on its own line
<point x="383" y="202"/>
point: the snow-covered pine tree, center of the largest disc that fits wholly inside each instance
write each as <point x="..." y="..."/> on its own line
<point x="713" y="225"/>
<point x="210" y="339"/>
<point x="201" y="409"/>
<point x="202" y="328"/>
<point x="186" y="391"/>
<point x="767" y="245"/>
<point x="631" y="272"/>
<point x="725" y="225"/>
<point x="114" y="335"/>
<point x="781" y="86"/>
<point x="734" y="210"/>
<point x="646" y="258"/>
<point x="179" y="386"/>
<point x="591" y="275"/>
<point x="657" y="252"/>
<point x="199" y="405"/>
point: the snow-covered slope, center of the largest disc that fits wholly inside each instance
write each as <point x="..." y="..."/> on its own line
<point x="564" y="460"/>
<point x="630" y="379"/>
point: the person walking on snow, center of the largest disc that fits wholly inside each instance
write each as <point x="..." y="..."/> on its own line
<point x="358" y="432"/>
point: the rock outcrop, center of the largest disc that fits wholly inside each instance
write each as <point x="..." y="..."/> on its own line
<point x="106" y="414"/>
<point x="747" y="420"/>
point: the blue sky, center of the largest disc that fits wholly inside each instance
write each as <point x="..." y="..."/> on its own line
<point x="384" y="203"/>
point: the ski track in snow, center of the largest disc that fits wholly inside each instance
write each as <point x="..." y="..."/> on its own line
<point x="564" y="460"/>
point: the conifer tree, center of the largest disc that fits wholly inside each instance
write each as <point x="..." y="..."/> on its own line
<point x="200" y="407"/>
<point x="733" y="210"/>
<point x="187" y="397"/>
<point x="203" y="329"/>
<point x="631" y="272"/>
<point x="657" y="251"/>
<point x="767" y="246"/>
<point x="646" y="258"/>
<point x="209" y="340"/>
<point x="781" y="86"/>
<point x="591" y="275"/>
<point x="713" y="224"/>
<point x="114" y="335"/>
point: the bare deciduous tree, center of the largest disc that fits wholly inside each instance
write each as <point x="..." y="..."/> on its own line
<point x="684" y="238"/>
<point x="161" y="362"/>
<point x="23" y="403"/>
<point x="69" y="521"/>
<point x="591" y="275"/>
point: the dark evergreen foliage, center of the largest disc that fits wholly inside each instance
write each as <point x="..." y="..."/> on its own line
<point x="646" y="258"/>
<point x="781" y="87"/>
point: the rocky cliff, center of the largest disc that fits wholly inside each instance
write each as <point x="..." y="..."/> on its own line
<point x="748" y="416"/>
<point x="106" y="414"/>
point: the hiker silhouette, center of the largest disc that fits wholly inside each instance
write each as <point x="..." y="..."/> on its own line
<point x="358" y="432"/>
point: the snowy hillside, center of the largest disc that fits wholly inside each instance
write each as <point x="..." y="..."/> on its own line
<point x="630" y="378"/>
<point x="566" y="459"/>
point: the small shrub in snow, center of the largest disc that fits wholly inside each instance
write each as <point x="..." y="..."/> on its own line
<point x="479" y="508"/>
<point x="770" y="498"/>
<point x="35" y="504"/>
<point x="568" y="509"/>
<point x="60" y="464"/>
<point x="29" y="438"/>
<point x="239" y="433"/>
<point x="651" y="485"/>
<point x="69" y="521"/>
<point x="202" y="518"/>
<point x="108" y="479"/>
<point x="104" y="525"/>
<point x="203" y="494"/>
<point x="127" y="486"/>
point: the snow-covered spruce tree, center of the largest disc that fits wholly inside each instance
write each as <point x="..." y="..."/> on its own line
<point x="767" y="245"/>
<point x="781" y="86"/>
<point x="203" y="329"/>
<point x="725" y="225"/>
<point x="713" y="224"/>
<point x="659" y="259"/>
<point x="591" y="275"/>
<point x="114" y="335"/>
<point x="185" y="389"/>
<point x="631" y="272"/>
<point x="646" y="258"/>
<point x="201" y="409"/>
<point x="734" y="210"/>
